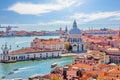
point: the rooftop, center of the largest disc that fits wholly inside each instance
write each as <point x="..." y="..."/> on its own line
<point x="29" y="50"/>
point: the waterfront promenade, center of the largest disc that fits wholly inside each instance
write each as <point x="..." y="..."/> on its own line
<point x="68" y="54"/>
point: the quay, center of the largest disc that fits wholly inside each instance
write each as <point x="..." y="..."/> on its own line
<point x="68" y="54"/>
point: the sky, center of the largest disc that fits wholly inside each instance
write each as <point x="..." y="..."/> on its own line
<point x="37" y="15"/>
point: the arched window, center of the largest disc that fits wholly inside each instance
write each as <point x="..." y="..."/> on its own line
<point x="27" y="56"/>
<point x="8" y="57"/>
<point x="40" y="55"/>
<point x="16" y="57"/>
<point x="46" y="55"/>
<point x="82" y="47"/>
<point x="52" y="54"/>
<point x="34" y="55"/>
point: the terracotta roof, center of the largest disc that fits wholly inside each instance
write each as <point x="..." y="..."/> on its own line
<point x="80" y="65"/>
<point x="53" y="76"/>
<point x="99" y="73"/>
<point x="101" y="66"/>
<point x="115" y="71"/>
<point x="46" y="41"/>
<point x="29" y="50"/>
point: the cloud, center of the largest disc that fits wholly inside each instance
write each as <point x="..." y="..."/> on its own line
<point x="55" y="22"/>
<point x="115" y="15"/>
<point x="36" y="9"/>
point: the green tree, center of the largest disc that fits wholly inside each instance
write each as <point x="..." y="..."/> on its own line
<point x="70" y="48"/>
<point x="79" y="73"/>
<point x="50" y="38"/>
<point x="109" y="37"/>
<point x="56" y="79"/>
<point x="67" y="45"/>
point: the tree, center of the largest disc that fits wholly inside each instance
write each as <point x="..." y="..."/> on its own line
<point x="56" y="79"/>
<point x="109" y="37"/>
<point x="79" y="73"/>
<point x="50" y="39"/>
<point x="70" y="48"/>
<point x="67" y="44"/>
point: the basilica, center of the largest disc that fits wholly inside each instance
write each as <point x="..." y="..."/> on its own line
<point x="74" y="37"/>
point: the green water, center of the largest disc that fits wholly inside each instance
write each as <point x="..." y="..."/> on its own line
<point x="28" y="68"/>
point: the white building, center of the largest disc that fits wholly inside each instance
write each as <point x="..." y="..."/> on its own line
<point x="39" y="50"/>
<point x="74" y="37"/>
<point x="48" y="44"/>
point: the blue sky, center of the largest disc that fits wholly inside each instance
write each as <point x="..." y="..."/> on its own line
<point x="53" y="14"/>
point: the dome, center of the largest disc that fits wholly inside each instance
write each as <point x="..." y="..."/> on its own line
<point x="75" y="30"/>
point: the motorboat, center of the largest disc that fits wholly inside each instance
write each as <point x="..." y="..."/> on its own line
<point x="3" y="77"/>
<point x="16" y="69"/>
<point x="53" y="65"/>
<point x="10" y="73"/>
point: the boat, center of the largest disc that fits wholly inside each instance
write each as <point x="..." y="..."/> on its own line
<point x="17" y="79"/>
<point x="3" y="77"/>
<point x="10" y="73"/>
<point x="53" y="65"/>
<point x="15" y="69"/>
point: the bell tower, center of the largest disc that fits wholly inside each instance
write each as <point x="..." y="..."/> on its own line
<point x="5" y="53"/>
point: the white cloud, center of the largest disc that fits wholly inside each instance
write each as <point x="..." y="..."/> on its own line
<point x="55" y="22"/>
<point x="36" y="9"/>
<point x="115" y="15"/>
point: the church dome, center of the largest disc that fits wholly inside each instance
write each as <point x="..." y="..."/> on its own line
<point x="75" y="30"/>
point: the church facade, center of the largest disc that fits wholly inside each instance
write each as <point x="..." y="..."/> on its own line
<point x="74" y="37"/>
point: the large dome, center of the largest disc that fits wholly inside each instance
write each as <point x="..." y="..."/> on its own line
<point x="75" y="30"/>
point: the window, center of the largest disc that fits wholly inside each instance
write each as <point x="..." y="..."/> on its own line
<point x="16" y="57"/>
<point x="34" y="55"/>
<point x="27" y="56"/>
<point x="46" y="54"/>
<point x="13" y="58"/>
<point x="52" y="54"/>
<point x="8" y="57"/>
<point x="40" y="55"/>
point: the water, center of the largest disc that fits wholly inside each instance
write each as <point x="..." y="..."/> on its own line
<point x="28" y="68"/>
<point x="19" y="42"/>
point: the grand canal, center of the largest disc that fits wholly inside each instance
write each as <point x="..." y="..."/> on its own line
<point x="28" y="68"/>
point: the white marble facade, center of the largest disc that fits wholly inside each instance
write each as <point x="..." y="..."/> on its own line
<point x="75" y="39"/>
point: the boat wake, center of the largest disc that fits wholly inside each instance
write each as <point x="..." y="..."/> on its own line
<point x="24" y="69"/>
<point x="21" y="42"/>
<point x="19" y="71"/>
<point x="61" y="62"/>
<point x="29" y="67"/>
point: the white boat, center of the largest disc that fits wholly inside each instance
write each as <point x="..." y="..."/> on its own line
<point x="53" y="65"/>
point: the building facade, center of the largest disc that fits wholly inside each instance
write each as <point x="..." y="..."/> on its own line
<point x="40" y="49"/>
<point x="74" y="37"/>
<point x="114" y="53"/>
<point x="48" y="44"/>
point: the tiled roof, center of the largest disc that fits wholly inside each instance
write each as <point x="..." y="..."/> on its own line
<point x="53" y="76"/>
<point x="29" y="50"/>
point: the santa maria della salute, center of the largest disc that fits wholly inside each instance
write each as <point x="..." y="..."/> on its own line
<point x="74" y="37"/>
